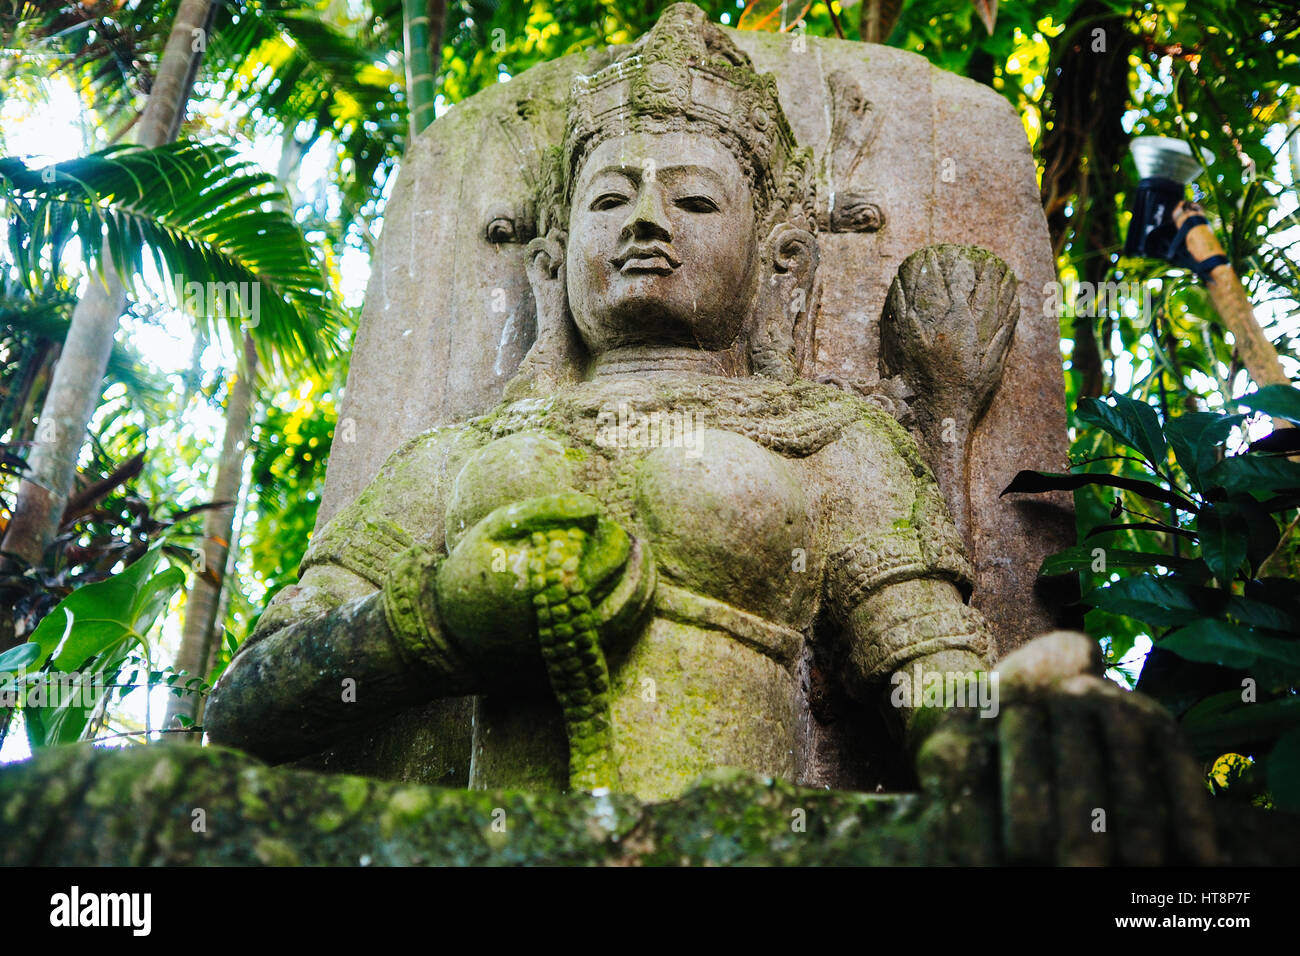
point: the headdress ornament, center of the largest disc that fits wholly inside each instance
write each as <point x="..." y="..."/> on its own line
<point x="687" y="71"/>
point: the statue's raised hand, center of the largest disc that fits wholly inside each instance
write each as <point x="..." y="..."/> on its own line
<point x="1073" y="770"/>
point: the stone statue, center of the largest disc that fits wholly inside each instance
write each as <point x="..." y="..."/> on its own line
<point x="627" y="560"/>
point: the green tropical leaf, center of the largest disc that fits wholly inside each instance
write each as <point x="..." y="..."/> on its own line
<point x="1221" y="531"/>
<point x="1195" y="437"/>
<point x="1277" y="401"/>
<point x="215" y="227"/>
<point x="1284" y="771"/>
<point x="1132" y="422"/>
<point x="1213" y="728"/>
<point x="1229" y="645"/>
<point x="1036" y="482"/>
<point x="97" y="616"/>
<point x="20" y="657"/>
<point x="1253" y="473"/>
<point x="1261" y="614"/>
<point x="66" y="720"/>
<point x="1084" y="557"/>
<point x="1163" y="601"/>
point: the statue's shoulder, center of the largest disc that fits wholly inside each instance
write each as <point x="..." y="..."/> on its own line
<point x="433" y="448"/>
<point x="850" y="417"/>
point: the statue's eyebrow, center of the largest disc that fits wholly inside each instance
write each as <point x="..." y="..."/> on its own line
<point x="625" y="172"/>
<point x="633" y="172"/>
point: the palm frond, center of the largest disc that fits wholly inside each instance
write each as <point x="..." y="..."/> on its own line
<point x="282" y="62"/>
<point x="215" y="227"/>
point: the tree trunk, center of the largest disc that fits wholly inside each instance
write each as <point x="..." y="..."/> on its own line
<point x="877" y="19"/>
<point x="437" y="10"/>
<point x="1086" y="97"/>
<point x="75" y="389"/>
<point x="205" y="594"/>
<point x="424" y="21"/>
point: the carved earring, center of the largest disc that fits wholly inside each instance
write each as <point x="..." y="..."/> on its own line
<point x="783" y="306"/>
<point x="557" y="354"/>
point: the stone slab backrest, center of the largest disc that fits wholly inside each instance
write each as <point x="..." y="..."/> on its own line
<point x="449" y="315"/>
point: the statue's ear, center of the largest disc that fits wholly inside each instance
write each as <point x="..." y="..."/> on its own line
<point x="545" y="259"/>
<point x="781" y="334"/>
<point x="557" y="355"/>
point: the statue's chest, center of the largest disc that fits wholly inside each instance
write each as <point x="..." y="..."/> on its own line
<point x="725" y="517"/>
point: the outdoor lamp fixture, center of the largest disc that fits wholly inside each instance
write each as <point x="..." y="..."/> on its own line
<point x="1166" y="226"/>
<point x="1166" y="166"/>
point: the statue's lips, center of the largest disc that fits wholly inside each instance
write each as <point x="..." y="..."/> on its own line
<point x="654" y="259"/>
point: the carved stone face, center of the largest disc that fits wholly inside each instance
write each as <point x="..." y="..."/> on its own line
<point x="661" y="245"/>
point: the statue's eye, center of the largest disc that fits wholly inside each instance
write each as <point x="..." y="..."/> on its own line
<point x="608" y="201"/>
<point x="697" y="204"/>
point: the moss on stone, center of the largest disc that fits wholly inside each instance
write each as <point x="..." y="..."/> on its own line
<point x="259" y="815"/>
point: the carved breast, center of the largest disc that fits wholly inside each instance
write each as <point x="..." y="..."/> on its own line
<point x="729" y="519"/>
<point x="725" y="517"/>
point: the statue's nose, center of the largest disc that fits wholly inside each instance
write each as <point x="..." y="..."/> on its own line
<point x="648" y="218"/>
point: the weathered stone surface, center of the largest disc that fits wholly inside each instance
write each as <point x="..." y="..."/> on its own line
<point x="139" y="807"/>
<point x="712" y="680"/>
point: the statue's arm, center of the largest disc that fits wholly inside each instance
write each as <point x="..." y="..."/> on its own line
<point x="357" y="638"/>
<point x="898" y="576"/>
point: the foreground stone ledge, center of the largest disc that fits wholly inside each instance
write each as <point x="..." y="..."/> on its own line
<point x="144" y="806"/>
<point x="81" y="806"/>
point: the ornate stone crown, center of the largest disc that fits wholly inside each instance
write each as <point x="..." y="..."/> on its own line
<point x="687" y="71"/>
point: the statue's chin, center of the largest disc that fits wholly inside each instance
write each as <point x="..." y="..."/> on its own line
<point x="652" y="323"/>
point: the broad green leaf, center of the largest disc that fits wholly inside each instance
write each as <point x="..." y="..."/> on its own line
<point x="1213" y="730"/>
<point x="1165" y="602"/>
<point x="94" y="617"/>
<point x="1262" y="615"/>
<point x="1281" y="593"/>
<point x="1228" y="645"/>
<point x="1131" y="422"/>
<point x="66" y="720"/>
<point x="1036" y="482"/>
<point x="1258" y="527"/>
<point x="1254" y="474"/>
<point x="1283" y="441"/>
<point x="1196" y="437"/>
<point x="20" y="657"/>
<point x="1284" y="771"/>
<point x="1085" y="558"/>
<point x="1222" y="533"/>
<point x="1278" y="401"/>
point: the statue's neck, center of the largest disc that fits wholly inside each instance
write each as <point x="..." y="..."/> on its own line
<point x="650" y="361"/>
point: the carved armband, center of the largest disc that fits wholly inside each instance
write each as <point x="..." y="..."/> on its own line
<point x="874" y="561"/>
<point x="952" y="628"/>
<point x="360" y="544"/>
<point x="412" y="612"/>
<point x="926" y="546"/>
<point x="941" y="545"/>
